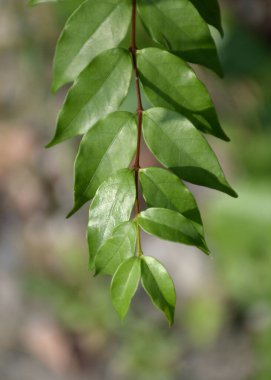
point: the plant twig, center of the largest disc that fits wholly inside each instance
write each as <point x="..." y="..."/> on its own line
<point x="136" y="165"/>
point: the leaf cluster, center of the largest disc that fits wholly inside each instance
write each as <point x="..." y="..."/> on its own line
<point x="88" y="55"/>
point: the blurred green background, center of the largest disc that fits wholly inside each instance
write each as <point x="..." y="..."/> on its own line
<point x="56" y="321"/>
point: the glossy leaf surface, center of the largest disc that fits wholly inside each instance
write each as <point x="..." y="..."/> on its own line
<point x="210" y="12"/>
<point x="159" y="286"/>
<point x="115" y="250"/>
<point x="94" y="27"/>
<point x="178" y="145"/>
<point x="173" y="84"/>
<point x="99" y="90"/>
<point x="112" y="205"/>
<point x="177" y="25"/>
<point x="107" y="147"/>
<point x="163" y="189"/>
<point x="172" y="226"/>
<point x="124" y="285"/>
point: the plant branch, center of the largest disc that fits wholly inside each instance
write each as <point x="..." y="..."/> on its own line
<point x="136" y="165"/>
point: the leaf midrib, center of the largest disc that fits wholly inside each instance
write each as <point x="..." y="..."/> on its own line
<point x="183" y="152"/>
<point x="158" y="287"/>
<point x="184" y="233"/>
<point x="184" y="100"/>
<point x="182" y="31"/>
<point x="125" y="287"/>
<point x="125" y="238"/>
<point x="163" y="193"/>
<point x="103" y="156"/>
<point x="113" y="206"/>
<point x="107" y="77"/>
<point x="114" y="8"/>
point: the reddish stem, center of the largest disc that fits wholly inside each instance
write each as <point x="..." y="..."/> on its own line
<point x="136" y="165"/>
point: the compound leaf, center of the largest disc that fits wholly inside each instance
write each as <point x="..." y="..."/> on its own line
<point x="88" y="54"/>
<point x="124" y="285"/>
<point x="163" y="189"/>
<point x="188" y="95"/>
<point x="112" y="205"/>
<point x="177" y="144"/>
<point x="115" y="250"/>
<point x="173" y="226"/>
<point x="94" y="27"/>
<point x="177" y="25"/>
<point x="107" y="147"/>
<point x="99" y="90"/>
<point x="159" y="286"/>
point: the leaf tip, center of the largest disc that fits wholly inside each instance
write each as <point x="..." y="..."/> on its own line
<point x="122" y="317"/>
<point x="70" y="214"/>
<point x="221" y="30"/>
<point x="170" y="316"/>
<point x="49" y="145"/>
<point x="232" y="192"/>
<point x="205" y="249"/>
<point x="54" y="141"/>
<point x="72" y="211"/>
<point x="222" y="135"/>
<point x="221" y="73"/>
<point x="55" y="86"/>
<point x="96" y="272"/>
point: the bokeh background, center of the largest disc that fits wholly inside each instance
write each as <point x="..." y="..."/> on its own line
<point x="56" y="320"/>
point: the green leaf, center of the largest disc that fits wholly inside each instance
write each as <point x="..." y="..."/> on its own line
<point x="159" y="286"/>
<point x="177" y="25"/>
<point x="177" y="144"/>
<point x="169" y="82"/>
<point x="164" y="189"/>
<point x="112" y="205"/>
<point x="124" y="285"/>
<point x="94" y="27"/>
<point x="118" y="248"/>
<point x="107" y="147"/>
<point x="210" y="12"/>
<point x="99" y="90"/>
<point x="172" y="226"/>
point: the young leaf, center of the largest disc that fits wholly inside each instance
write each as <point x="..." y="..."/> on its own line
<point x="115" y="250"/>
<point x="107" y="147"/>
<point x="94" y="94"/>
<point x="177" y="144"/>
<point x="173" y="226"/>
<point x="124" y="285"/>
<point x="112" y="205"/>
<point x="183" y="31"/>
<point x="163" y="189"/>
<point x="188" y="95"/>
<point x="159" y="286"/>
<point x="94" y="27"/>
<point x="210" y="12"/>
